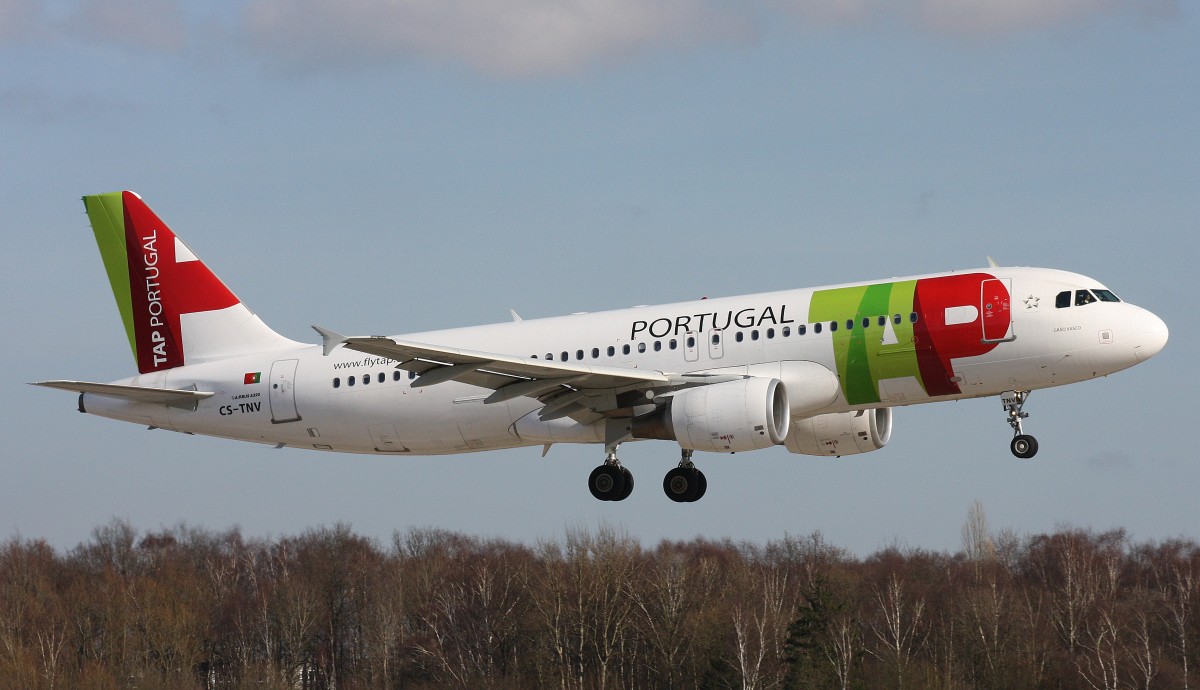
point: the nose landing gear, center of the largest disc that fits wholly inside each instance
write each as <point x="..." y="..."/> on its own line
<point x="1023" y="445"/>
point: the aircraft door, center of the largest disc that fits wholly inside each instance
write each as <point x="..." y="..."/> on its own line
<point x="716" y="344"/>
<point x="691" y="349"/>
<point x="995" y="305"/>
<point x="283" y="391"/>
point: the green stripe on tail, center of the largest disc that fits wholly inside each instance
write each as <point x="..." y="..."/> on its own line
<point x="107" y="215"/>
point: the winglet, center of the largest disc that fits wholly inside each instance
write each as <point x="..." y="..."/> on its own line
<point x="330" y="339"/>
<point x="992" y="263"/>
<point x="516" y="317"/>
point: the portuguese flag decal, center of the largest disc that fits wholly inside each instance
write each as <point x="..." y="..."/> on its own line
<point x="254" y="377"/>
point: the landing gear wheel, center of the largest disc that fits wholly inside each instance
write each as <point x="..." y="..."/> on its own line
<point x="1024" y="446"/>
<point x="607" y="482"/>
<point x="684" y="484"/>
<point x="628" y="477"/>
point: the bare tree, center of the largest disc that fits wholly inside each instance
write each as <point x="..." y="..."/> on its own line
<point x="899" y="629"/>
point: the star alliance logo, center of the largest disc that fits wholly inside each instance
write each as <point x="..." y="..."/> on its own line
<point x="1031" y="302"/>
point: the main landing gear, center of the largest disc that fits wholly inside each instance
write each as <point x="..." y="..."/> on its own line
<point x="1023" y="445"/>
<point x="612" y="482"/>
<point x="685" y="483"/>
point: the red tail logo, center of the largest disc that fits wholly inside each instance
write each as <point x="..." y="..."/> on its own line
<point x="166" y="280"/>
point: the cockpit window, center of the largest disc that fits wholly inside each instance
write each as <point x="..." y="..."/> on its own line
<point x="1106" y="296"/>
<point x="1083" y="297"/>
<point x="1063" y="300"/>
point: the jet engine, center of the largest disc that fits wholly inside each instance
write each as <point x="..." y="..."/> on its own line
<point x="841" y="433"/>
<point x="734" y="416"/>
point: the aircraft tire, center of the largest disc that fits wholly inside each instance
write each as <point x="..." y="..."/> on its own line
<point x="682" y="484"/>
<point x="1024" y="446"/>
<point x="607" y="482"/>
<point x="627" y="476"/>
<point x="701" y="486"/>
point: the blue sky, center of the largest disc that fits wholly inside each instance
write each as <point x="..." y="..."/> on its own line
<point x="392" y="166"/>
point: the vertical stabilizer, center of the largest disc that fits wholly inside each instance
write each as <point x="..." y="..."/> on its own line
<point x="175" y="310"/>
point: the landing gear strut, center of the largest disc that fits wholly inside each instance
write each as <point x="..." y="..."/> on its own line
<point x="611" y="481"/>
<point x="1023" y="445"/>
<point x="685" y="483"/>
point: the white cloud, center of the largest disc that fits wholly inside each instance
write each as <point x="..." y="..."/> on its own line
<point x="995" y="17"/>
<point x="971" y="18"/>
<point x="18" y="19"/>
<point x="517" y="37"/>
<point x="150" y="25"/>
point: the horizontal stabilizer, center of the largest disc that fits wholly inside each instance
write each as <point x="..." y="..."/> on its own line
<point x="162" y="396"/>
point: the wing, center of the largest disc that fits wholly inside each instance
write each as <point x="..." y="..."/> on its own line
<point x="565" y="388"/>
<point x="163" y="396"/>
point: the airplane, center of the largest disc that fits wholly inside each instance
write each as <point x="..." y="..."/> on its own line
<point x="816" y="370"/>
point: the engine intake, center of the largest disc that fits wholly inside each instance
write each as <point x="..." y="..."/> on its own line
<point x="734" y="416"/>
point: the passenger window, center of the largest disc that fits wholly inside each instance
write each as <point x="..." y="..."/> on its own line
<point x="595" y="353"/>
<point x="611" y="350"/>
<point x="413" y="374"/>
<point x="770" y="333"/>
<point x="882" y="321"/>
<point x="801" y="329"/>
<point x="739" y="337"/>
<point x="912" y="317"/>
<point x="754" y="334"/>
<point x="382" y="377"/>
<point x="366" y="379"/>
<point x="625" y="349"/>
<point x="896" y="319"/>
<point x="350" y="380"/>
<point x="550" y="356"/>
<point x="579" y="354"/>
<point x="641" y="347"/>
<point x="833" y="326"/>
<point x="1083" y="297"/>
<point x="866" y="321"/>
<point x="396" y="375"/>
<point x="565" y="356"/>
<point x="849" y="324"/>
<point x="658" y="346"/>
<point x="673" y="344"/>
<point x="816" y="328"/>
<point x="691" y="341"/>
<point x="716" y="339"/>
<point x="337" y="382"/>
<point x="786" y="332"/>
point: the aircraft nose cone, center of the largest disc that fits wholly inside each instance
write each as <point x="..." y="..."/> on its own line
<point x="1149" y="335"/>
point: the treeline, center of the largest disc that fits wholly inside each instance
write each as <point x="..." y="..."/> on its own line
<point x="189" y="608"/>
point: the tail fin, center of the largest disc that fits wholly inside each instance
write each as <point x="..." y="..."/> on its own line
<point x="175" y="310"/>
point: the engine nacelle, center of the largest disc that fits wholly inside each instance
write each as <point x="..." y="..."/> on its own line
<point x="841" y="433"/>
<point x="733" y="416"/>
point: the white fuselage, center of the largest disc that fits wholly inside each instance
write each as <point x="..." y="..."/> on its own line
<point x="305" y="399"/>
